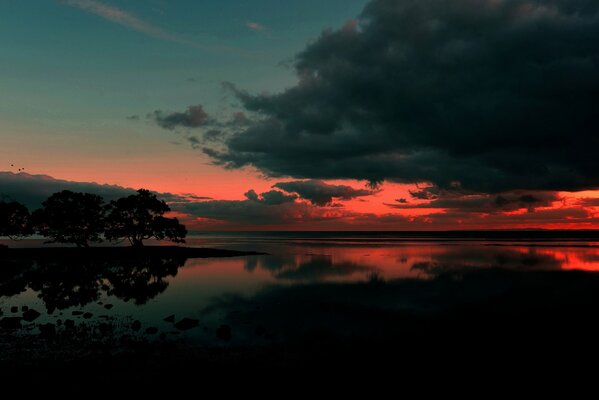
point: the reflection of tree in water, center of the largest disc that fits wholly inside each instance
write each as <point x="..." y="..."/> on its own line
<point x="68" y="283"/>
<point x="13" y="276"/>
<point x="140" y="280"/>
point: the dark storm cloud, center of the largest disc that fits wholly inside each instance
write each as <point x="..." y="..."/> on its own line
<point x="494" y="94"/>
<point x="255" y="212"/>
<point x="271" y="198"/>
<point x="250" y="214"/>
<point x="193" y="117"/>
<point x="456" y="219"/>
<point x="480" y="203"/>
<point x="321" y="193"/>
<point x="32" y="190"/>
<point x="209" y="136"/>
<point x="428" y="193"/>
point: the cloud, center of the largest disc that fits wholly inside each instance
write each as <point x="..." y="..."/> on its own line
<point x="589" y="202"/>
<point x="193" y="117"/>
<point x="196" y="117"/>
<point x="126" y="19"/>
<point x="255" y="26"/>
<point x="478" y="202"/>
<point x="278" y="209"/>
<point x="32" y="190"/>
<point x="553" y="218"/>
<point x="255" y="212"/>
<point x="271" y="198"/>
<point x="493" y="95"/>
<point x="321" y="193"/>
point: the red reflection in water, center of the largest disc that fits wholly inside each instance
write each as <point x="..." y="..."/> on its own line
<point x="575" y="258"/>
<point x="308" y="261"/>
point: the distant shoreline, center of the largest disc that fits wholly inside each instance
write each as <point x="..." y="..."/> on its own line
<point x="539" y="234"/>
<point x="119" y="252"/>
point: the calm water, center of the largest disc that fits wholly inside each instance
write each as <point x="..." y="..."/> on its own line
<point x="151" y="290"/>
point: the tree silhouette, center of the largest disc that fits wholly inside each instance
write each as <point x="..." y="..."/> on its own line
<point x="141" y="216"/>
<point x="71" y="217"/>
<point x="14" y="220"/>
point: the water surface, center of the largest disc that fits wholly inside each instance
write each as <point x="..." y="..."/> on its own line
<point x="119" y="293"/>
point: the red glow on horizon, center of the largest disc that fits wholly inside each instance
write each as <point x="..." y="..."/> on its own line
<point x="379" y="211"/>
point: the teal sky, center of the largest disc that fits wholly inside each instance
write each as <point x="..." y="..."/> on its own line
<point x="60" y="62"/>
<point x="72" y="71"/>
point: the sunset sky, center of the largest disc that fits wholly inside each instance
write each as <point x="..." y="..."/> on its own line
<point x="304" y="114"/>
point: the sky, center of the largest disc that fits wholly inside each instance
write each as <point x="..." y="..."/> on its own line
<point x="309" y="115"/>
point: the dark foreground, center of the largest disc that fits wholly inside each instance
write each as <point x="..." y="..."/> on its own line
<point x="464" y="324"/>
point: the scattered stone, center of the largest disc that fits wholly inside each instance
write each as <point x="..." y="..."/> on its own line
<point x="24" y="308"/>
<point x="108" y="306"/>
<point x="69" y="323"/>
<point x="47" y="330"/>
<point x="10" y="323"/>
<point x="136" y="325"/>
<point x="77" y="313"/>
<point x="170" y="318"/>
<point x="100" y="303"/>
<point x="151" y="330"/>
<point x="88" y="315"/>
<point x="224" y="332"/>
<point x="104" y="316"/>
<point x="175" y="332"/>
<point x="14" y="309"/>
<point x="186" y="324"/>
<point x="260" y="331"/>
<point x="31" y="315"/>
<point x="59" y="322"/>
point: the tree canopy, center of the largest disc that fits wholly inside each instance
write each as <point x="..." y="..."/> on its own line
<point x="141" y="216"/>
<point x="71" y="217"/>
<point x="15" y="220"/>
